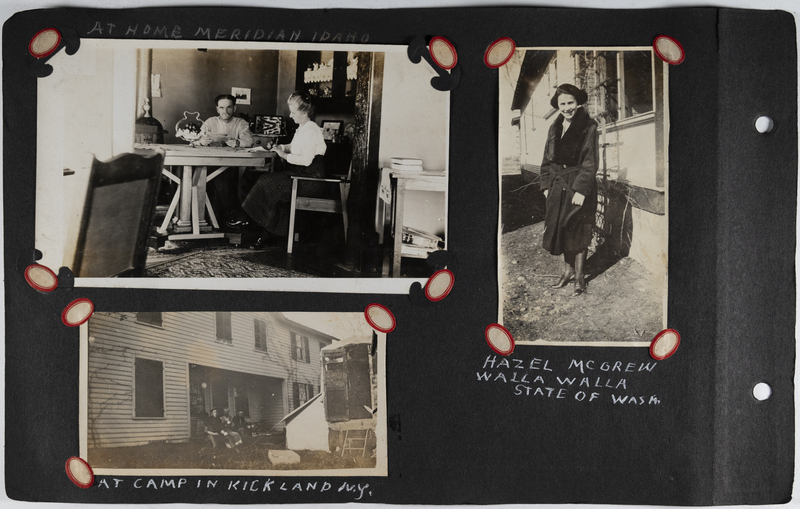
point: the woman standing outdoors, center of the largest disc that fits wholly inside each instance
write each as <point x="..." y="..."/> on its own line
<point x="266" y="203"/>
<point x="569" y="170"/>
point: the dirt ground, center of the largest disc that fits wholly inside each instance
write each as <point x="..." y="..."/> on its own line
<point x="623" y="301"/>
<point x="199" y="454"/>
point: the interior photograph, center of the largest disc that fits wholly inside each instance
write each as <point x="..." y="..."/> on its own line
<point x="259" y="163"/>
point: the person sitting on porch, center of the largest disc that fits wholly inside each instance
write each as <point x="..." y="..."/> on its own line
<point x="239" y="423"/>
<point x="267" y="202"/>
<point x="225" y="186"/>
<point x="229" y="429"/>
<point x="215" y="429"/>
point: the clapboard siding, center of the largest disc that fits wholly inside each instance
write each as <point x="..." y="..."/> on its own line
<point x="117" y="339"/>
<point x="112" y="422"/>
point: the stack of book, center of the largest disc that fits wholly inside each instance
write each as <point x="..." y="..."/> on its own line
<point x="406" y="164"/>
<point x="422" y="239"/>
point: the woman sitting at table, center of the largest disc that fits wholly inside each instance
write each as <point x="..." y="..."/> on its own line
<point x="266" y="203"/>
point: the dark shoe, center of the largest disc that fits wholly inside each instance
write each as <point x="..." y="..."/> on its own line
<point x="564" y="281"/>
<point x="567" y="275"/>
<point x="580" y="282"/>
<point x="236" y="224"/>
<point x="580" y="286"/>
<point x="261" y="243"/>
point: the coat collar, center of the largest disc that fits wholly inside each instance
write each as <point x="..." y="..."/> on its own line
<point x="580" y="122"/>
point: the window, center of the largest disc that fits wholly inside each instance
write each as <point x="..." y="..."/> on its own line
<point x="302" y="393"/>
<point x="149" y="318"/>
<point x="621" y="82"/>
<point x="224" y="327"/>
<point x="148" y="388"/>
<point x="260" y="327"/>
<point x="300" y="350"/>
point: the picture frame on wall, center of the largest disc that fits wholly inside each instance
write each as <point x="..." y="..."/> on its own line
<point x="331" y="129"/>
<point x="242" y="95"/>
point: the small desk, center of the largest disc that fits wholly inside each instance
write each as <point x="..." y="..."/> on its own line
<point x="402" y="181"/>
<point x="192" y="196"/>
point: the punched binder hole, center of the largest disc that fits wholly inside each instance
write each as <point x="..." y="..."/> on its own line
<point x="764" y="124"/>
<point x="762" y="391"/>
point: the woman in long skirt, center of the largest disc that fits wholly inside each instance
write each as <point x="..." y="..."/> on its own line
<point x="266" y="204"/>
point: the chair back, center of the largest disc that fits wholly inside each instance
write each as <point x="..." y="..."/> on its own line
<point x="120" y="204"/>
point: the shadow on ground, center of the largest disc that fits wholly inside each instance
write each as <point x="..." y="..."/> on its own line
<point x="623" y="302"/>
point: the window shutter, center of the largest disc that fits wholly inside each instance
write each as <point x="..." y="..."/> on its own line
<point x="296" y="394"/>
<point x="148" y="388"/>
<point x="260" y="330"/>
<point x="150" y="318"/>
<point x="305" y="347"/>
<point x="224" y="326"/>
<point x="294" y="347"/>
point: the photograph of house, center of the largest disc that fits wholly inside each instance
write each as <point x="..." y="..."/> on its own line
<point x="374" y="104"/>
<point x="626" y="267"/>
<point x="166" y="377"/>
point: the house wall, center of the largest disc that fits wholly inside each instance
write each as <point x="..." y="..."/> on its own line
<point x="414" y="123"/>
<point x="191" y="79"/>
<point x="633" y="158"/>
<point x="648" y="243"/>
<point x="115" y="340"/>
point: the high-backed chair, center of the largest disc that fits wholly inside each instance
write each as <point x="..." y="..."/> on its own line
<point x="115" y="224"/>
<point x="337" y="205"/>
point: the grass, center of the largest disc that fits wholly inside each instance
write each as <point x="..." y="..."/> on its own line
<point x="199" y="454"/>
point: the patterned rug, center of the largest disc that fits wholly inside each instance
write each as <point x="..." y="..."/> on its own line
<point x="215" y="263"/>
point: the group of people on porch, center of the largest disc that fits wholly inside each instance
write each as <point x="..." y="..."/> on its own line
<point x="223" y="429"/>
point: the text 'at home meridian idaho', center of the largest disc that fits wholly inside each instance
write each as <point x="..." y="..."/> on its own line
<point x="224" y="34"/>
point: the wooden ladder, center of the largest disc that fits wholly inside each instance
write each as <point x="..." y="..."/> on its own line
<point x="358" y="438"/>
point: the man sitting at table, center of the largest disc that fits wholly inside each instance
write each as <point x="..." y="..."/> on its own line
<point x="226" y="185"/>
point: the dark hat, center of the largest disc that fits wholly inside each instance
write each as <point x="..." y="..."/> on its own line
<point x="580" y="96"/>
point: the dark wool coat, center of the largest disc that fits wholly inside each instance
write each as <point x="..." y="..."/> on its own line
<point x="570" y="166"/>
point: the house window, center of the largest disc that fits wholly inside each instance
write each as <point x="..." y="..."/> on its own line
<point x="149" y="318"/>
<point x="260" y="327"/>
<point x="300" y="350"/>
<point x="224" y="327"/>
<point x="148" y="388"/>
<point x="302" y="393"/>
<point x="625" y="80"/>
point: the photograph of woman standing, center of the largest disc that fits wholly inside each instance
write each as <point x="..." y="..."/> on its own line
<point x="569" y="167"/>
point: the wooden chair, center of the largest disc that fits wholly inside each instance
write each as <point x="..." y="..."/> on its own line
<point x="337" y="205"/>
<point x="120" y="204"/>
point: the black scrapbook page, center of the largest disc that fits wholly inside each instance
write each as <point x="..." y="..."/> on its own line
<point x="463" y="255"/>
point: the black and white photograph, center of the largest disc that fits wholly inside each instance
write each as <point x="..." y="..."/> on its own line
<point x="268" y="161"/>
<point x="583" y="137"/>
<point x="233" y="392"/>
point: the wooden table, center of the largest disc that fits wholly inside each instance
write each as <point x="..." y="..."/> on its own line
<point x="192" y="195"/>
<point x="402" y="181"/>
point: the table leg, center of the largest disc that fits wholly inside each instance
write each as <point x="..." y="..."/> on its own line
<point x="195" y="213"/>
<point x="170" y="212"/>
<point x="185" y="215"/>
<point x="399" y="206"/>
<point x="199" y="181"/>
<point x="211" y="214"/>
